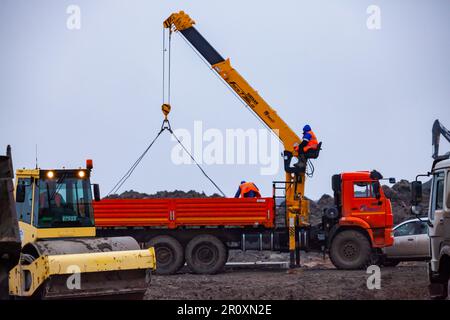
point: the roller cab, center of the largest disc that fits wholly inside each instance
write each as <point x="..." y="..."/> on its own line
<point x="61" y="257"/>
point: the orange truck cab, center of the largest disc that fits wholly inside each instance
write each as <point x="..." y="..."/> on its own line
<point x="361" y="219"/>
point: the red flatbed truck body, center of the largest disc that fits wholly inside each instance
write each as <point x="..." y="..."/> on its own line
<point x="202" y="230"/>
<point x="180" y="212"/>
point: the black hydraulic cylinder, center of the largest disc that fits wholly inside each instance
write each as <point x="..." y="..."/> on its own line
<point x="202" y="45"/>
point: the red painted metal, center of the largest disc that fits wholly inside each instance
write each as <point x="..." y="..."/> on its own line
<point x="373" y="215"/>
<point x="173" y="213"/>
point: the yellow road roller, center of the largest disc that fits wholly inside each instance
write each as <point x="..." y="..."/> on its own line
<point x="60" y="255"/>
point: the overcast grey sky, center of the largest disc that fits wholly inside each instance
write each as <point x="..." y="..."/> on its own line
<point x="370" y="95"/>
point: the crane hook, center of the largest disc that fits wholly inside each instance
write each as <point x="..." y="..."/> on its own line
<point x="166" y="110"/>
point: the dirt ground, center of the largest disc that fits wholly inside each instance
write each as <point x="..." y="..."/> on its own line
<point x="317" y="279"/>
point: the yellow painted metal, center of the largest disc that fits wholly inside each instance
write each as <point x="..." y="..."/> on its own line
<point x="31" y="234"/>
<point x="65" y="232"/>
<point x="27" y="173"/>
<point x="46" y="266"/>
<point x="257" y="104"/>
<point x="166" y="110"/>
<point x="179" y="21"/>
<point x="28" y="233"/>
<point x="295" y="202"/>
<point x="297" y="206"/>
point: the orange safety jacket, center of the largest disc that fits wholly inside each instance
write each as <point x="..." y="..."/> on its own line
<point x="312" y="143"/>
<point x="247" y="187"/>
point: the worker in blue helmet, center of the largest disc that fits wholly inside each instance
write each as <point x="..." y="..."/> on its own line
<point x="308" y="148"/>
<point x="309" y="142"/>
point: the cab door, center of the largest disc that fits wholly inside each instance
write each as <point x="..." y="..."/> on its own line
<point x="366" y="206"/>
<point x="24" y="208"/>
<point x="423" y="240"/>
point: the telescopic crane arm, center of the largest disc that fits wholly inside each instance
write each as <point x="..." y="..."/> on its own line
<point x="297" y="207"/>
<point x="438" y="130"/>
<point x="182" y="23"/>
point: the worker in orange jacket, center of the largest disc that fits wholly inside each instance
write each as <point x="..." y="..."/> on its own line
<point x="309" y="145"/>
<point x="248" y="190"/>
<point x="309" y="148"/>
<point x="309" y="142"/>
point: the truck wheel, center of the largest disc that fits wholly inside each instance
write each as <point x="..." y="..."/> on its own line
<point x="169" y="254"/>
<point x="350" y="250"/>
<point x="438" y="290"/>
<point x="206" y="254"/>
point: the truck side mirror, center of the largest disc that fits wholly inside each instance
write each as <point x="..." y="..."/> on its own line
<point x="416" y="192"/>
<point x="376" y="190"/>
<point x="392" y="180"/>
<point x="96" y="192"/>
<point x="20" y="193"/>
<point x="336" y="182"/>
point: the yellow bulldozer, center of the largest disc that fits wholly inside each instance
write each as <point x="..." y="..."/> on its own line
<point x="48" y="248"/>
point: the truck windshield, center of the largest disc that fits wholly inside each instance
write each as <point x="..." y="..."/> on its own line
<point x="437" y="194"/>
<point x="66" y="202"/>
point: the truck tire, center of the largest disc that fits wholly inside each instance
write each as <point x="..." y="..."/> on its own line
<point x="206" y="254"/>
<point x="350" y="250"/>
<point x="169" y="254"/>
<point x="438" y="290"/>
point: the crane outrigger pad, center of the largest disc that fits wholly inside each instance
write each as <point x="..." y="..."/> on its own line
<point x="84" y="268"/>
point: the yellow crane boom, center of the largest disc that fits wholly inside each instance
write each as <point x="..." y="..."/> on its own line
<point x="297" y="207"/>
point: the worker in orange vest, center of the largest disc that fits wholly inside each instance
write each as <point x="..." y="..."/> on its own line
<point x="309" y="143"/>
<point x="247" y="190"/>
<point x="309" y="148"/>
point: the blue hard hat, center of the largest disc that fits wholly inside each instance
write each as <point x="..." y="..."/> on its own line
<point x="242" y="181"/>
<point x="306" y="128"/>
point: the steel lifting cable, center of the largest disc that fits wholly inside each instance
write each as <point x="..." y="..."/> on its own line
<point x="164" y="67"/>
<point x="166" y="49"/>
<point x="130" y="171"/>
<point x="165" y="126"/>
<point x="169" y="66"/>
<point x="196" y="163"/>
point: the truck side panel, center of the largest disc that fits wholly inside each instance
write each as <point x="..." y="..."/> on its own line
<point x="173" y="213"/>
